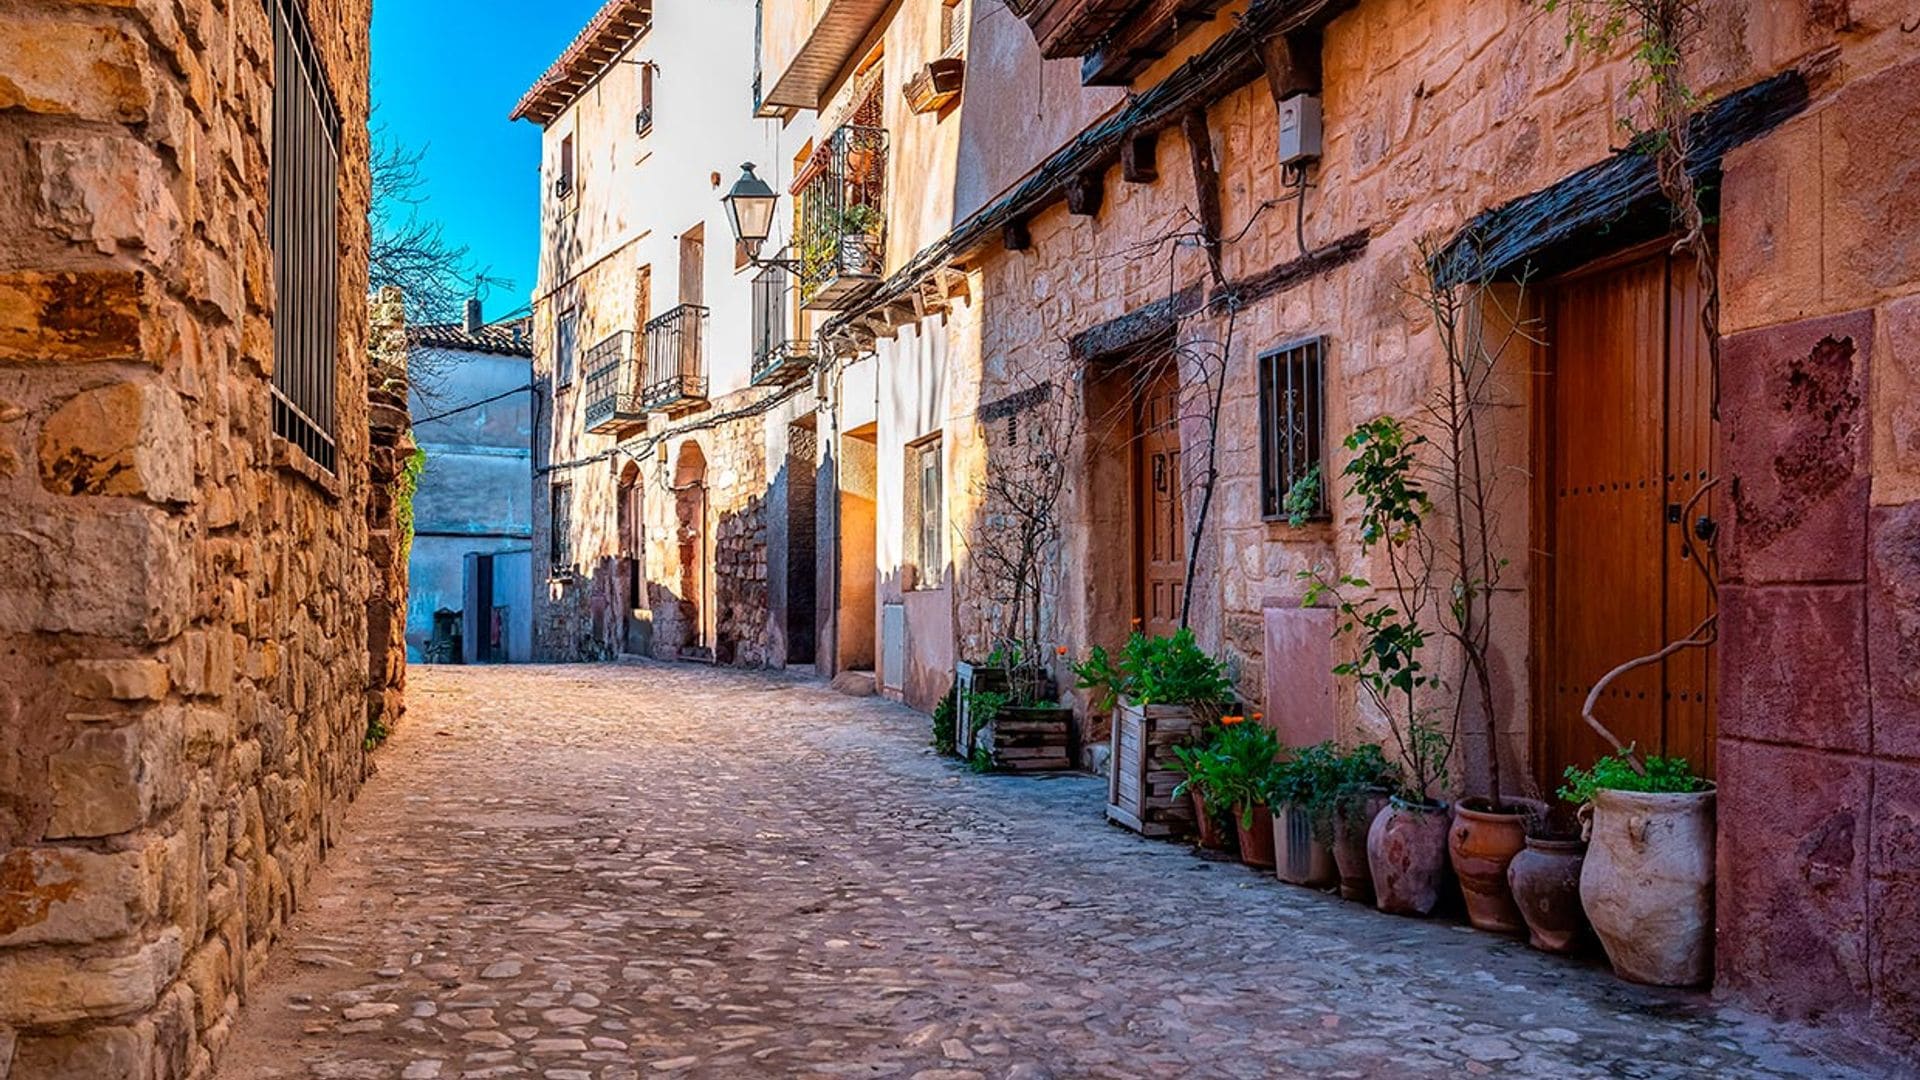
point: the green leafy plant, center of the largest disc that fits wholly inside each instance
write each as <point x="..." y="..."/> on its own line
<point x="980" y="760"/>
<point x="1361" y="772"/>
<point x="1231" y="768"/>
<point x="945" y="716"/>
<point x="1155" y="671"/>
<point x="1302" y="500"/>
<point x="1615" y="772"/>
<point x="405" y="486"/>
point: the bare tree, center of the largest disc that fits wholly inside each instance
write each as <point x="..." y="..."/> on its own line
<point x="409" y="250"/>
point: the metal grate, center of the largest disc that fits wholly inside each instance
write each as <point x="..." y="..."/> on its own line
<point x="613" y="384"/>
<point x="560" y="529"/>
<point x="676" y="357"/>
<point x="1293" y="418"/>
<point x="953" y="27"/>
<point x="842" y="207"/>
<point x="775" y="352"/>
<point x="306" y="257"/>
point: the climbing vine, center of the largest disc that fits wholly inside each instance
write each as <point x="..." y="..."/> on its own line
<point x="404" y="487"/>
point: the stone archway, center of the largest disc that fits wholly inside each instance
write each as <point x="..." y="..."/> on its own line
<point x="691" y="573"/>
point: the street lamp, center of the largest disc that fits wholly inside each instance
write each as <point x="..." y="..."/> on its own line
<point x="750" y="205"/>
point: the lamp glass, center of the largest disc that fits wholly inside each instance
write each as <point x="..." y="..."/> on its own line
<point x="750" y="207"/>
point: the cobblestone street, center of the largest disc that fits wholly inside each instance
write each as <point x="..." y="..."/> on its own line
<point x="599" y="872"/>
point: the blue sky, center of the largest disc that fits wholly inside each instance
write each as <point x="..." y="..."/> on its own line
<point x="445" y="76"/>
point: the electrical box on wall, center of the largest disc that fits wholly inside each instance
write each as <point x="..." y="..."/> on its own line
<point x="1300" y="129"/>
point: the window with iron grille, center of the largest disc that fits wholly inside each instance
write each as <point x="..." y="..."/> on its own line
<point x="1293" y="420"/>
<point x="560" y="525"/>
<point x="306" y="260"/>
<point x="926" y="514"/>
<point x="953" y="26"/>
<point x="566" y="342"/>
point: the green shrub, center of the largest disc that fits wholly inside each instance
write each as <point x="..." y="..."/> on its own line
<point x="945" y="715"/>
<point x="1664" y="775"/>
<point x="1155" y="671"/>
<point x="1230" y="770"/>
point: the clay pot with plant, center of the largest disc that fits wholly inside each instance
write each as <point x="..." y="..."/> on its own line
<point x="1300" y="792"/>
<point x="1366" y="781"/>
<point x="1545" y="879"/>
<point x="1229" y="773"/>
<point x="1389" y="637"/>
<point x="1648" y="880"/>
<point x="1213" y="826"/>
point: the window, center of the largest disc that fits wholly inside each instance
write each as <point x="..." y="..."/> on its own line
<point x="560" y="525"/>
<point x="693" y="265"/>
<point x="926" y="514"/>
<point x="953" y="26"/>
<point x="1293" y="422"/>
<point x="563" y="187"/>
<point x="566" y="341"/>
<point x="306" y="260"/>
<point x="643" y="120"/>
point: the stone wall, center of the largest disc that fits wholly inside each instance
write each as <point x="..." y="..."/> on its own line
<point x="183" y="597"/>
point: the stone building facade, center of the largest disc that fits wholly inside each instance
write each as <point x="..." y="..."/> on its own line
<point x="198" y="611"/>
<point x="1138" y="247"/>
<point x="670" y="373"/>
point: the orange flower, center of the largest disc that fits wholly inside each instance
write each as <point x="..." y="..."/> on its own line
<point x="1136" y="622"/>
<point x="1061" y="651"/>
<point x="1256" y="717"/>
<point x="1229" y="721"/>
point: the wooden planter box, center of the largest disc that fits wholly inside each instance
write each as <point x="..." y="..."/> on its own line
<point x="936" y="83"/>
<point x="1021" y="738"/>
<point x="967" y="678"/>
<point x="1143" y="771"/>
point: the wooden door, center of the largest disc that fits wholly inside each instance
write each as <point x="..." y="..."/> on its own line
<point x="693" y="265"/>
<point x="1627" y="438"/>
<point x="1160" y="525"/>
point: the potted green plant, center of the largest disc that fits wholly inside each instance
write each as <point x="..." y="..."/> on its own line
<point x="860" y="229"/>
<point x="1647" y="882"/>
<point x="1163" y="692"/>
<point x="1301" y="791"/>
<point x="1009" y="716"/>
<point x="1407" y="843"/>
<point x="1242" y="759"/>
<point x="1213" y="828"/>
<point x="1366" y="781"/>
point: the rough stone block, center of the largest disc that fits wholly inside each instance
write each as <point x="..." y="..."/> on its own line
<point x="1770" y="235"/>
<point x="1299" y="673"/>
<point x="69" y="895"/>
<point x="47" y="988"/>
<point x="1895" y="898"/>
<point x="1893" y="620"/>
<point x="123" y="439"/>
<point x="1896" y="405"/>
<point x="105" y="191"/>
<point x="109" y="780"/>
<point x="1795" y="424"/>
<point x="1792" y="920"/>
<point x="117" y="574"/>
<point x="70" y="316"/>
<point x="66" y="68"/>
<point x="1866" y="163"/>
<point x="116" y="680"/>
<point x="1793" y="665"/>
<point x="108" y="1053"/>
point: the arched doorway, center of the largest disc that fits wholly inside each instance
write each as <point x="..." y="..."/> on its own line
<point x="630" y="509"/>
<point x="692" y="557"/>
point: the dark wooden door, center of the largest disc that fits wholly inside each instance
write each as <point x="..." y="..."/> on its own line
<point x="1159" y="513"/>
<point x="1628" y="438"/>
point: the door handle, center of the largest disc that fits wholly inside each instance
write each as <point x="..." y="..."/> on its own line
<point x="1705" y="529"/>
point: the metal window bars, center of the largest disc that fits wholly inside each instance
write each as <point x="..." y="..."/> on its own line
<point x="841" y="229"/>
<point x="613" y="385"/>
<point x="306" y="259"/>
<point x="1293" y="419"/>
<point x="676" y="359"/>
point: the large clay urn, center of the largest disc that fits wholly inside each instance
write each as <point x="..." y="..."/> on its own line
<point x="1647" y="885"/>
<point x="1482" y="843"/>
<point x="1255" y="826"/>
<point x="1407" y="852"/>
<point x="1301" y="855"/>
<point x="1211" y="834"/>
<point x="1545" y="879"/>
<point x="1352" y="821"/>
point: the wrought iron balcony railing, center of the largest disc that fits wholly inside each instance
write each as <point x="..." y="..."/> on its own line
<point x="842" y="216"/>
<point x="677" y="360"/>
<point x="613" y="385"/>
<point x="777" y="355"/>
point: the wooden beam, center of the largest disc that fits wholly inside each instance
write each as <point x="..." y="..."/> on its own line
<point x="1137" y="165"/>
<point x="1015" y="236"/>
<point x="1292" y="61"/>
<point x="1145" y="37"/>
<point x="1140" y="328"/>
<point x="1206" y="181"/>
<point x="1286" y="275"/>
<point x="1084" y="192"/>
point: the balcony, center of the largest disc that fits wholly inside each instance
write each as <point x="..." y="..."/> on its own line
<point x="778" y="357"/>
<point x="677" y="361"/>
<point x="842" y="224"/>
<point x="806" y="44"/>
<point x="613" y="386"/>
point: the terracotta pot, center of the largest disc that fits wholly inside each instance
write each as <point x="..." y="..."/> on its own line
<point x="1545" y="879"/>
<point x="1647" y="885"/>
<point x="1300" y="856"/>
<point x="1211" y="834"/>
<point x="1256" y="836"/>
<point x="1407" y="851"/>
<point x="1351" y="824"/>
<point x="1481" y="844"/>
